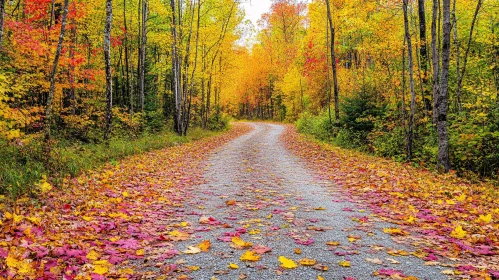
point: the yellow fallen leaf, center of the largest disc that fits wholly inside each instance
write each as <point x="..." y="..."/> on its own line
<point x="395" y="231"/>
<point x="45" y="186"/>
<point x="410" y="220"/>
<point x="101" y="267"/>
<point x="450" y="202"/>
<point x="287" y="263"/>
<point x="233" y="266"/>
<point x="86" y="218"/>
<point x="250" y="256"/>
<point x="344" y="263"/>
<point x="461" y="198"/>
<point x="92" y="255"/>
<point x="205" y="245"/>
<point x="140" y="252"/>
<point x="485" y="219"/>
<point x="320" y="277"/>
<point x="333" y="243"/>
<point x="458" y="233"/>
<point x="193" y="267"/>
<point x="307" y="262"/>
<point x="320" y="208"/>
<point x="241" y="243"/>
<point x="184" y="224"/>
<point x="125" y="194"/>
<point x="297" y="251"/>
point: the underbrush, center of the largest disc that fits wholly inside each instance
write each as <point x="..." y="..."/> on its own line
<point x="370" y="127"/>
<point x="22" y="167"/>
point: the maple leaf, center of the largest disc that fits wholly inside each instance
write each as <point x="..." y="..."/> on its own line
<point x="240" y="243"/>
<point x="344" y="263"/>
<point x="458" y="232"/>
<point x="192" y="250"/>
<point x="287" y="263"/>
<point x="205" y="245"/>
<point x="395" y="231"/>
<point x="250" y="256"/>
<point x="375" y="261"/>
<point x="93" y="255"/>
<point x="259" y="249"/>
<point x="307" y="262"/>
<point x="101" y="267"/>
<point x="233" y="266"/>
<point x="484" y="219"/>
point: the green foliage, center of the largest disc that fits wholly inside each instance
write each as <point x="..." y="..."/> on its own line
<point x="21" y="166"/>
<point x="218" y="122"/>
<point x="360" y="112"/>
<point x="318" y="126"/>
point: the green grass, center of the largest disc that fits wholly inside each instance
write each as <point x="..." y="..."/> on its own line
<point x="22" y="167"/>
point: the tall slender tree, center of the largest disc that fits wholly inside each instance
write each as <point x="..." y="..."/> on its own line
<point x="423" y="50"/>
<point x="2" y="15"/>
<point x="107" y="60"/>
<point x="410" y="131"/>
<point x="443" y="162"/>
<point x="53" y="73"/>
<point x="333" y="64"/>
<point x="435" y="56"/>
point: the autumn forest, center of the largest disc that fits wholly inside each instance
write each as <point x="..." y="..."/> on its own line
<point x="124" y="122"/>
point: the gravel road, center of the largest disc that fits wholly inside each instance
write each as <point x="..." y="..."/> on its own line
<point x="259" y="189"/>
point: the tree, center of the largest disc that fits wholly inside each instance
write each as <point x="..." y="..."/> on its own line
<point x="442" y="96"/>
<point x="107" y="61"/>
<point x="48" y="108"/>
<point x="410" y="131"/>
<point x="2" y="15"/>
<point x="333" y="64"/>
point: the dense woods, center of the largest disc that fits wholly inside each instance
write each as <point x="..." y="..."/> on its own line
<point x="398" y="90"/>
<point x="366" y="75"/>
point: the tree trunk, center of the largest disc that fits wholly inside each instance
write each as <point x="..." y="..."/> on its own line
<point x="423" y="52"/>
<point x="435" y="57"/>
<point x="72" y="95"/>
<point x="333" y="64"/>
<point x="107" y="59"/>
<point x="465" y="59"/>
<point x="2" y="15"/>
<point x="143" y="42"/>
<point x="442" y="97"/>
<point x="411" y="82"/>
<point x="458" y="57"/>
<point x="127" y="61"/>
<point x="50" y="98"/>
<point x="176" y="73"/>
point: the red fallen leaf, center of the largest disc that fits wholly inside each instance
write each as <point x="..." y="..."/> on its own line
<point x="305" y="242"/>
<point x="260" y="249"/>
<point x="66" y="206"/>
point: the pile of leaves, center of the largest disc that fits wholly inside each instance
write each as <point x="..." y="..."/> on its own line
<point x="448" y="218"/>
<point x="105" y="219"/>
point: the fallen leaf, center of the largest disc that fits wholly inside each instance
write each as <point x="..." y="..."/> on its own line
<point x="287" y="263"/>
<point x="250" y="256"/>
<point x="307" y="262"/>
<point x="344" y="263"/>
<point x="233" y="266"/>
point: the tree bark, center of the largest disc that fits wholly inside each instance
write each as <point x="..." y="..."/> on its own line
<point x="143" y="42"/>
<point x="72" y="95"/>
<point x="442" y="97"/>
<point x="2" y="16"/>
<point x="435" y="57"/>
<point x="127" y="61"/>
<point x="423" y="52"/>
<point x="107" y="59"/>
<point x="465" y="59"/>
<point x="50" y="98"/>
<point x="333" y="65"/>
<point x="177" y="92"/>
<point x="411" y="82"/>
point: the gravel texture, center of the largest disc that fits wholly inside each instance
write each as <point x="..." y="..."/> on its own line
<point x="281" y="201"/>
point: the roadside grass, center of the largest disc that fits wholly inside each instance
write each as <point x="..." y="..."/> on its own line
<point x="22" y="168"/>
